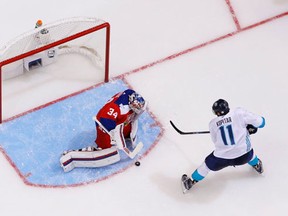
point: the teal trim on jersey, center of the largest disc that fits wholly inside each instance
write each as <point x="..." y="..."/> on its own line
<point x="254" y="161"/>
<point x="196" y="176"/>
<point x="263" y="123"/>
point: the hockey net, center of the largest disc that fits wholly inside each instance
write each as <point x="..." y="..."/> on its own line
<point x="71" y="53"/>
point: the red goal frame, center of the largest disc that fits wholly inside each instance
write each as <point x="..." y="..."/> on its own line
<point x="104" y="25"/>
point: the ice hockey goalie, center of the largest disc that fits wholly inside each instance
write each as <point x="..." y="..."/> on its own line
<point x="116" y="123"/>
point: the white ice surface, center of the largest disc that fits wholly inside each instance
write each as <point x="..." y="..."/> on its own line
<point x="248" y="69"/>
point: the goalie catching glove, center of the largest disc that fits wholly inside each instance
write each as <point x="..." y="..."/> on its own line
<point x="251" y="129"/>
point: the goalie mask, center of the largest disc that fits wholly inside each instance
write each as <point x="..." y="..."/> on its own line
<point x="136" y="103"/>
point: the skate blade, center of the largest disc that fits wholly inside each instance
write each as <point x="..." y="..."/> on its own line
<point x="184" y="190"/>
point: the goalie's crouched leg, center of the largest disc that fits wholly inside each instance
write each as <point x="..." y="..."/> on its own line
<point x="94" y="158"/>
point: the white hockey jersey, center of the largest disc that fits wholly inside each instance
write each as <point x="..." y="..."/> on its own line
<point x="229" y="133"/>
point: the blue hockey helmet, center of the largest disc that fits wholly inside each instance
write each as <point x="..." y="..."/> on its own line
<point x="220" y="107"/>
<point x="137" y="103"/>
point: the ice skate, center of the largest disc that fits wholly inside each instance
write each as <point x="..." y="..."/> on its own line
<point x="259" y="167"/>
<point x="186" y="183"/>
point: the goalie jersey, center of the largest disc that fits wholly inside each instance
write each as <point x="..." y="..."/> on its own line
<point x="116" y="111"/>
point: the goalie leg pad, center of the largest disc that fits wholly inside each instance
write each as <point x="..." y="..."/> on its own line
<point x="98" y="158"/>
<point x="118" y="136"/>
<point x="133" y="134"/>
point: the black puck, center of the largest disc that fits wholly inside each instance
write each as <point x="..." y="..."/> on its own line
<point x="137" y="163"/>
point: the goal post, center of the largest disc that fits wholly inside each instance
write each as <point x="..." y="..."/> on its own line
<point x="43" y="46"/>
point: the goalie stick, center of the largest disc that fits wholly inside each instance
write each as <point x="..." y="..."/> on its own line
<point x="187" y="133"/>
<point x="136" y="150"/>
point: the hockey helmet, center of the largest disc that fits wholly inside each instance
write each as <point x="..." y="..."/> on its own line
<point x="137" y="103"/>
<point x="220" y="107"/>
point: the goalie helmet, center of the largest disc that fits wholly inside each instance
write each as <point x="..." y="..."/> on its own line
<point x="136" y="102"/>
<point x="220" y="107"/>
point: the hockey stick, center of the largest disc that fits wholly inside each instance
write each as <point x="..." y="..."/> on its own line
<point x="136" y="150"/>
<point x="187" y="133"/>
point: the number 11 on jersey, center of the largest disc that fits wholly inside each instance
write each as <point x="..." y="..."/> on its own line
<point x="224" y="130"/>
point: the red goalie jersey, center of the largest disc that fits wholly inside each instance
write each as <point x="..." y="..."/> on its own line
<point x="121" y="110"/>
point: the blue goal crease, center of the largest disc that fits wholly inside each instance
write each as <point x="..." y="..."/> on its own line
<point x="35" y="141"/>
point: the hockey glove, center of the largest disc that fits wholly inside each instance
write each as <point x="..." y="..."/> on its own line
<point x="251" y="129"/>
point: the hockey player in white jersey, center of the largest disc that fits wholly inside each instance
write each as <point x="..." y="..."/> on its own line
<point x="230" y="132"/>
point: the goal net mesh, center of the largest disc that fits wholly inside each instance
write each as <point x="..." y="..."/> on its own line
<point x="71" y="53"/>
